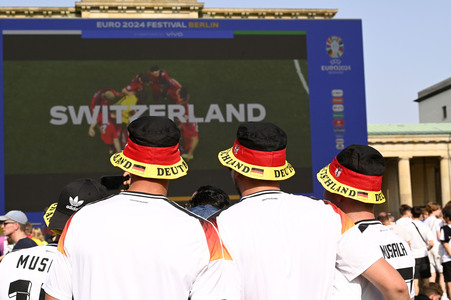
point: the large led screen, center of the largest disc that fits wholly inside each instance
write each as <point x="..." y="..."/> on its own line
<point x="305" y="76"/>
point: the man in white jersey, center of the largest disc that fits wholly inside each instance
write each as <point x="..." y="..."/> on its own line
<point x="434" y="223"/>
<point x="445" y="238"/>
<point x="421" y="242"/>
<point x="26" y="270"/>
<point x="286" y="246"/>
<point x="353" y="183"/>
<point x="170" y="252"/>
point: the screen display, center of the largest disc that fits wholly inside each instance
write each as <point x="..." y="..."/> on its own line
<point x="71" y="87"/>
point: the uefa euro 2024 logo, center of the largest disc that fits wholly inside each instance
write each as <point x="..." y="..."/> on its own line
<point x="334" y="47"/>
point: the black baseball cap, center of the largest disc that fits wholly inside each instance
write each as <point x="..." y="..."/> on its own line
<point x="72" y="198"/>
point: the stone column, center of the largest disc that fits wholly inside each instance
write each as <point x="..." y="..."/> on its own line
<point x="444" y="180"/>
<point x="405" y="186"/>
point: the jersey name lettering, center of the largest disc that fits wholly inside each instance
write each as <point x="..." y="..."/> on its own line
<point x="393" y="250"/>
<point x="34" y="263"/>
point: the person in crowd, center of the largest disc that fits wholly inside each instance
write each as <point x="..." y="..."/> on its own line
<point x="445" y="237"/>
<point x="13" y="226"/>
<point x="27" y="269"/>
<point x="29" y="233"/>
<point x="109" y="129"/>
<point x="398" y="229"/>
<point x="207" y="200"/>
<point x="179" y="256"/>
<point x="424" y="214"/>
<point x="163" y="86"/>
<point x="391" y="218"/>
<point x="280" y="253"/>
<point x="431" y="292"/>
<point x="137" y="87"/>
<point x="421" y="242"/>
<point x="356" y="176"/>
<point x="435" y="223"/>
<point x="6" y="245"/>
<point x="37" y="234"/>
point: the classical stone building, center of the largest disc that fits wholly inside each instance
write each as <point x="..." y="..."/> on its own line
<point x="418" y="162"/>
<point x="418" y="155"/>
<point x="165" y="9"/>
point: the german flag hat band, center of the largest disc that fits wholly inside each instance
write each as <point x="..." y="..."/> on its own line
<point x="151" y="162"/>
<point x="338" y="179"/>
<point x="263" y="165"/>
<point x="152" y="149"/>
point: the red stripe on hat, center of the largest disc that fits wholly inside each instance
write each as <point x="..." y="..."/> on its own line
<point x="354" y="179"/>
<point x="152" y="155"/>
<point x="259" y="158"/>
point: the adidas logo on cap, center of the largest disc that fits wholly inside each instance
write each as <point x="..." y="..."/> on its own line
<point x="74" y="203"/>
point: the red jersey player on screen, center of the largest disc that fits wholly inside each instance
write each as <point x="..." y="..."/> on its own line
<point x="137" y="87"/>
<point x="163" y="86"/>
<point x="109" y="130"/>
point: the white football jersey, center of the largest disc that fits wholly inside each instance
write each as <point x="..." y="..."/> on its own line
<point x="287" y="246"/>
<point x="169" y="253"/>
<point x="23" y="272"/>
<point x="394" y="250"/>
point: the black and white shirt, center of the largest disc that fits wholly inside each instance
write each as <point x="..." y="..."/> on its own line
<point x="394" y="250"/>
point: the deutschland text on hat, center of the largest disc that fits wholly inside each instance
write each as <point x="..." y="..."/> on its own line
<point x="264" y="155"/>
<point x="355" y="173"/>
<point x="152" y="150"/>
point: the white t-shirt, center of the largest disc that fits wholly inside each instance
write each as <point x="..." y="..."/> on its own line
<point x="445" y="236"/>
<point x="417" y="244"/>
<point x="169" y="253"/>
<point x="23" y="272"/>
<point x="401" y="231"/>
<point x="394" y="250"/>
<point x="286" y="246"/>
<point x="434" y="224"/>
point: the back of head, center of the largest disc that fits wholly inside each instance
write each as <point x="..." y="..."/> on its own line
<point x="404" y="209"/>
<point x="259" y="152"/>
<point x="416" y="212"/>
<point x="210" y="195"/>
<point x="447" y="212"/>
<point x="355" y="173"/>
<point x="109" y="95"/>
<point x="28" y="228"/>
<point x="432" y="289"/>
<point x="432" y="206"/>
<point x="154" y="68"/>
<point x="384" y="219"/>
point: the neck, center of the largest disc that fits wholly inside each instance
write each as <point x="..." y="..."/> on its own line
<point x="251" y="186"/>
<point x="357" y="210"/>
<point x="256" y="189"/>
<point x="17" y="236"/>
<point x="149" y="185"/>
<point x="359" y="216"/>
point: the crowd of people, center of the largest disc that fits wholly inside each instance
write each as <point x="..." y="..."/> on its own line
<point x="272" y="245"/>
<point x="427" y="231"/>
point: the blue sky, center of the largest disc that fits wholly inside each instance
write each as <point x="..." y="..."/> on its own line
<point x="406" y="46"/>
